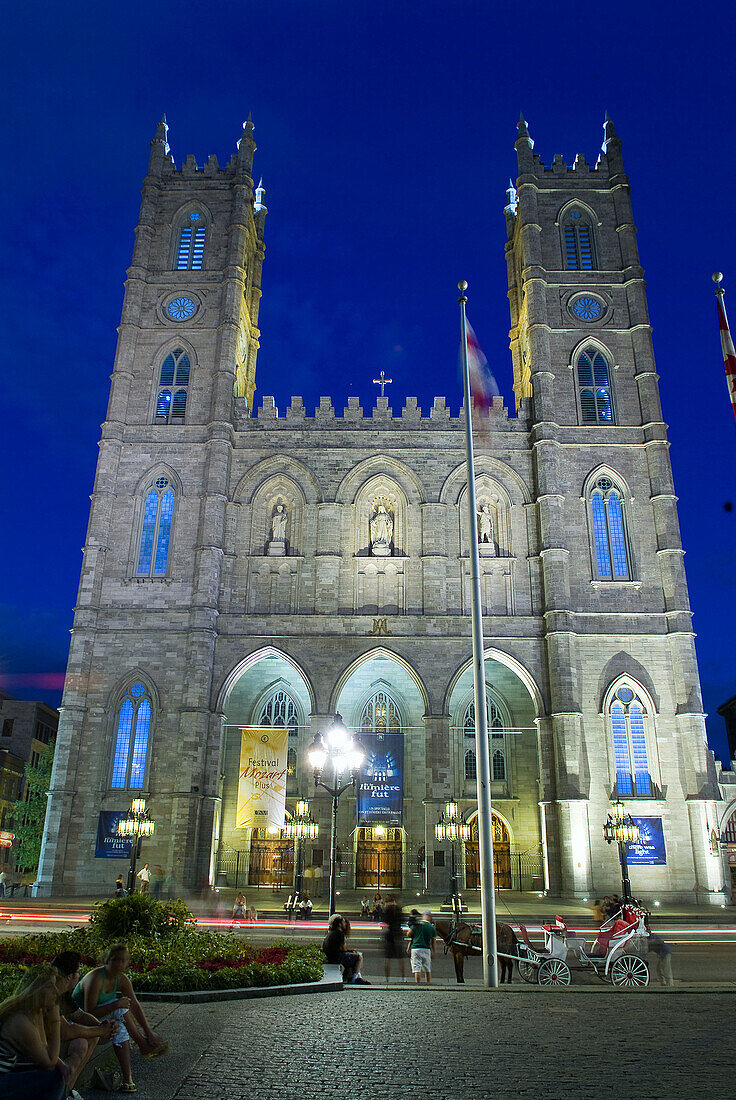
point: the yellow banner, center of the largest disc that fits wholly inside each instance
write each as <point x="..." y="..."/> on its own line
<point x="262" y="780"/>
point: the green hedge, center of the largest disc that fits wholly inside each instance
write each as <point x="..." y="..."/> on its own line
<point x="168" y="953"/>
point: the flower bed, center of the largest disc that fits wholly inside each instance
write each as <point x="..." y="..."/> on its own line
<point x="176" y="957"/>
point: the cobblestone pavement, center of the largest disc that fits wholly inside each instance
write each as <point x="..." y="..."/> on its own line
<point x="447" y="1045"/>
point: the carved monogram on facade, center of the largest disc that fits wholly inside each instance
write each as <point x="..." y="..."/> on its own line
<point x="380" y="626"/>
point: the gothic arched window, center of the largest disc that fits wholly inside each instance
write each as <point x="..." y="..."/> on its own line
<point x="577" y="235"/>
<point x="279" y="711"/>
<point x="190" y="247"/>
<point x="155" y="538"/>
<point x="171" y="402"/>
<point x="291" y="765"/>
<point x="628" y="716"/>
<point x="594" y="387"/>
<point x="497" y="736"/>
<point x="132" y="734"/>
<point x="381" y="714"/>
<point x="470" y="768"/>
<point x="609" y="531"/>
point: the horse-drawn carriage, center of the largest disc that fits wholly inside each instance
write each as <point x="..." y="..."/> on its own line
<point x="617" y="955"/>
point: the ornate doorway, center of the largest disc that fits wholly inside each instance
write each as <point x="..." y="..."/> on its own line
<point x="501" y="856"/>
<point x="271" y="860"/>
<point x="378" y="859"/>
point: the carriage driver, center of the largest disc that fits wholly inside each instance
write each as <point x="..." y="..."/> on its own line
<point x="422" y="935"/>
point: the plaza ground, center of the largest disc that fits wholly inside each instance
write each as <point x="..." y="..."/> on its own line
<point x="444" y="1044"/>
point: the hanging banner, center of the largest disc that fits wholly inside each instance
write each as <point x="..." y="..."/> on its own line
<point x="381" y="783"/>
<point x="109" y="844"/>
<point x="262" y="780"/>
<point x="649" y="849"/>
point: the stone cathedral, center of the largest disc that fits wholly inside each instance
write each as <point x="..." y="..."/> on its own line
<point x="253" y="566"/>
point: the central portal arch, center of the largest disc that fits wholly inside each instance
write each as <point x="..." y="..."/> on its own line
<point x="501" y="855"/>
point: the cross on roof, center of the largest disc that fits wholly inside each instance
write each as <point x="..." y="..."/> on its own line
<point x="382" y="381"/>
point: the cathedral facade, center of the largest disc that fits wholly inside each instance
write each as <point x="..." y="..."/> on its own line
<point x="250" y="566"/>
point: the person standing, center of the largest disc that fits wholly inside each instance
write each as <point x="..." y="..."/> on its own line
<point x="157" y="881"/>
<point x="394" y="944"/>
<point x="144" y="877"/>
<point x="119" y="887"/>
<point x="664" y="958"/>
<point x="3" y="877"/>
<point x="422" y="935"/>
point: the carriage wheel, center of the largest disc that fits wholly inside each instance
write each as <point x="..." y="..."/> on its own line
<point x="527" y="972"/>
<point x="554" y="972"/>
<point x="629" y="970"/>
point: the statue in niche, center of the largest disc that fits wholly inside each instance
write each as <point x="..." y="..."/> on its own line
<point x="382" y="531"/>
<point x="485" y="530"/>
<point x="277" y="539"/>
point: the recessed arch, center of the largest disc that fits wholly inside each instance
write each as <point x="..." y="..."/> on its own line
<point x="514" y="666"/>
<point x="511" y="482"/>
<point x="605" y="470"/>
<point x="299" y="473"/>
<point x="393" y="468"/>
<point x="133" y="676"/>
<point x="576" y="204"/>
<point x="383" y="653"/>
<point x="262" y="654"/>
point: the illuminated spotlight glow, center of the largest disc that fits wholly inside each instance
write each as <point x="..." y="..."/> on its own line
<point x="656" y="905"/>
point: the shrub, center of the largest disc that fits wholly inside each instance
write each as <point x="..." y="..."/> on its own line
<point x="139" y="914"/>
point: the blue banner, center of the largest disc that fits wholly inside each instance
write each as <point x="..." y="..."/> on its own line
<point x="649" y="849"/>
<point x="109" y="845"/>
<point x="381" y="784"/>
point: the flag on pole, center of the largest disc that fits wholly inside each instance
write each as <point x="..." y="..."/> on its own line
<point x="729" y="352"/>
<point x="483" y="386"/>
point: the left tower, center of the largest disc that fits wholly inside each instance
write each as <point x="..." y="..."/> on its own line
<point x="184" y="368"/>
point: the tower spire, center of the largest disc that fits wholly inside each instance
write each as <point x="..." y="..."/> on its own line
<point x="246" y="147"/>
<point x="259" y="204"/>
<point x="159" y="148"/>
<point x="524" y="145"/>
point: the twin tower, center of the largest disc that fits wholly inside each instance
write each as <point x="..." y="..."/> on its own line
<point x="246" y="566"/>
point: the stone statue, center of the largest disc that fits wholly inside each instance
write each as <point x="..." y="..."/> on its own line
<point x="382" y="530"/>
<point x="277" y="541"/>
<point x="485" y="529"/>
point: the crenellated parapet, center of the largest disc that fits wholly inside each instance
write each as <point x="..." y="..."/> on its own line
<point x="439" y="416"/>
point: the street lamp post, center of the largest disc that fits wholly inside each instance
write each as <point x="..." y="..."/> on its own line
<point x="299" y="828"/>
<point x="346" y="754"/>
<point x="452" y="826"/>
<point x="136" y="825"/>
<point x="621" y="829"/>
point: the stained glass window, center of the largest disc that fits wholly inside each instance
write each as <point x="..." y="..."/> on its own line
<point x="609" y="532"/>
<point x="470" y="769"/>
<point x="158" y="513"/>
<point x="190" y="253"/>
<point x="595" y="387"/>
<point x="279" y="711"/>
<point x="380" y="713"/>
<point x="171" y="405"/>
<point x="497" y="735"/>
<point x="630" y="745"/>
<point x="131" y="740"/>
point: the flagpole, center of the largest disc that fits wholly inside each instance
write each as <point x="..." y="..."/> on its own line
<point x="729" y="352"/>
<point x="482" y="753"/>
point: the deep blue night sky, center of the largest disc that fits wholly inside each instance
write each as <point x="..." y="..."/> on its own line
<point x="385" y="135"/>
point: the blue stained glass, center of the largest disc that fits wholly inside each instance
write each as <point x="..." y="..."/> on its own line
<point x="182" y="258"/>
<point x="587" y="406"/>
<point x="140" y="745"/>
<point x="182" y="371"/>
<point x="147" y="532"/>
<point x="639" y="750"/>
<point x="164" y="533"/>
<point x="163" y="405"/>
<point x="167" y="371"/>
<point x="585" y="370"/>
<point x="194" y="217"/>
<point x="122" y="745"/>
<point x="618" y="537"/>
<point x="179" y="406"/>
<point x="600" y="534"/>
<point x="621" y="750"/>
<point x="603" y="405"/>
<point x="600" y="367"/>
<point x="137" y="690"/>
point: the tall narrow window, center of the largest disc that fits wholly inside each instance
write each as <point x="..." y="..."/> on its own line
<point x="609" y="532"/>
<point x="630" y="745"/>
<point x="279" y="711"/>
<point x="171" y="403"/>
<point x="496" y="733"/>
<point x="190" y="252"/>
<point x="131" y="739"/>
<point x="594" y="386"/>
<point x="158" y="513"/>
<point x="291" y="764"/>
<point x="578" y="242"/>
<point x="470" y="768"/>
